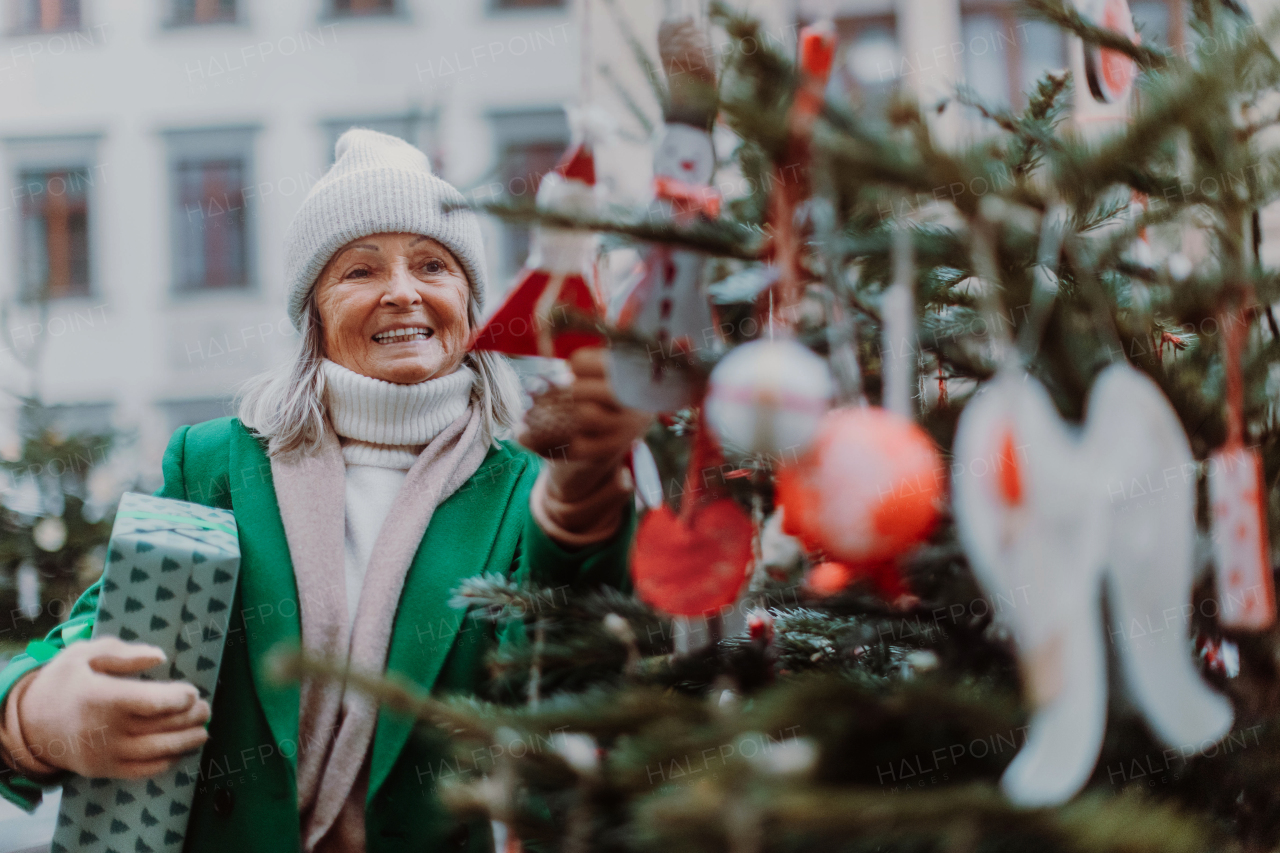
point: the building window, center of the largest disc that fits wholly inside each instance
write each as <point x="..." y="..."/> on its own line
<point x="529" y="144"/>
<point x="212" y="215"/>
<point x="55" y="232"/>
<point x="868" y="63"/>
<point x="359" y="8"/>
<point x="1163" y="24"/>
<point x="181" y="413"/>
<point x="415" y="128"/>
<point x="68" y="419"/>
<point x="1004" y="56"/>
<point x="191" y="12"/>
<point x="527" y="4"/>
<point x="44" y="16"/>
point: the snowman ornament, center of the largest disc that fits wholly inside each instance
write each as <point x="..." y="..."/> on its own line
<point x="667" y="304"/>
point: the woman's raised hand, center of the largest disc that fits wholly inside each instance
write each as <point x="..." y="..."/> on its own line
<point x="76" y="713"/>
<point x="585" y="481"/>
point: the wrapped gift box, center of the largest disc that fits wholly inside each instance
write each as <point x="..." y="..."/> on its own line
<point x="169" y="580"/>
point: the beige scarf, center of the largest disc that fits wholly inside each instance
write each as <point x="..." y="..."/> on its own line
<point x="336" y="726"/>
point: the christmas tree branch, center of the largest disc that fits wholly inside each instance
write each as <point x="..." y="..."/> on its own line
<point x="1066" y="16"/>
<point x="714" y="237"/>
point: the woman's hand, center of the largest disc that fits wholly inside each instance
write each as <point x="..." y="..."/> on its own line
<point x="585" y="483"/>
<point x="77" y="714"/>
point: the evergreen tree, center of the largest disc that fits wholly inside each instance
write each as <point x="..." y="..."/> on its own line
<point x="868" y="720"/>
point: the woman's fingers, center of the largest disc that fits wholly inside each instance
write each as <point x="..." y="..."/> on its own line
<point x="196" y="715"/>
<point x="588" y="362"/>
<point x="113" y="656"/>
<point x="591" y="418"/>
<point x="595" y="390"/>
<point x="164" y="746"/>
<point x="146" y="698"/>
<point x="142" y="769"/>
<point x="613" y="444"/>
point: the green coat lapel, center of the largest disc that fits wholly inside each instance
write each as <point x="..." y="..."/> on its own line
<point x="269" y="594"/>
<point x="469" y="531"/>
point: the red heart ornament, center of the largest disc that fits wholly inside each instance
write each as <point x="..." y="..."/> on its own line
<point x="691" y="566"/>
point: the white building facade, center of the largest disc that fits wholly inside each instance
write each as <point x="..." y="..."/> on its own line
<point x="153" y="152"/>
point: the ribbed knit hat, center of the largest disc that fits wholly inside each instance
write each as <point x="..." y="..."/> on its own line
<point x="378" y="183"/>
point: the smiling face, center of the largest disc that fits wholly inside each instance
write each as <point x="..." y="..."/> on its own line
<point x="394" y="307"/>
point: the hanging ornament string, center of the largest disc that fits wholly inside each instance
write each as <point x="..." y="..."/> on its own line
<point x="1044" y="286"/>
<point x="815" y="56"/>
<point x="841" y="331"/>
<point x="1232" y="322"/>
<point x="984" y="265"/>
<point x="898" y="328"/>
<point x="585" y="57"/>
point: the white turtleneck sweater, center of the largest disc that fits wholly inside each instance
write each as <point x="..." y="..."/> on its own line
<point x="383" y="427"/>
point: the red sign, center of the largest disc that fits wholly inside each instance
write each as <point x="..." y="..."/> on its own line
<point x="1110" y="72"/>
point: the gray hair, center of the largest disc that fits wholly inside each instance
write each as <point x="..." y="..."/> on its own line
<point x="286" y="405"/>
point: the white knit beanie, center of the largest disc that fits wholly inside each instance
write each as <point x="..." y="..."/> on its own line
<point x="377" y="184"/>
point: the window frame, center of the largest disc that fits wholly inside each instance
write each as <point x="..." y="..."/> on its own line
<point x="14" y="26"/>
<point x="211" y="144"/>
<point x="512" y="128"/>
<point x="849" y="27"/>
<point x="1007" y="11"/>
<point x="94" y="417"/>
<point x="54" y="153"/>
<point x="424" y="132"/>
<point x="1009" y="21"/>
<point x="1178" y="29"/>
<point x="495" y="8"/>
<point x="173" y="22"/>
<point x="397" y="12"/>
<point x="180" y="411"/>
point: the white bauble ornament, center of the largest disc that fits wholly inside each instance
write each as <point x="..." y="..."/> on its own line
<point x="768" y="397"/>
<point x="1180" y="267"/>
<point x="50" y="533"/>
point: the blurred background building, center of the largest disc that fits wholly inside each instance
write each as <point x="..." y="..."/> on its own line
<point x="152" y="153"/>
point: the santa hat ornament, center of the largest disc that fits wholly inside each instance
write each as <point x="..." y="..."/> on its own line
<point x="558" y="280"/>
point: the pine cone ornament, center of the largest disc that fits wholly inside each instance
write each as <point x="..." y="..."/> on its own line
<point x="689" y="61"/>
<point x="548" y="425"/>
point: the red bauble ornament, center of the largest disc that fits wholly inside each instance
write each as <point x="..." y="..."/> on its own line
<point x="866" y="490"/>
<point x="828" y="578"/>
<point x="694" y="563"/>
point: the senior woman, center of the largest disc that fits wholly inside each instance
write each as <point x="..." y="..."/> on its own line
<point x="367" y="478"/>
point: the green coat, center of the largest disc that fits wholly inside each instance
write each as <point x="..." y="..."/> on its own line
<point x="246" y="799"/>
